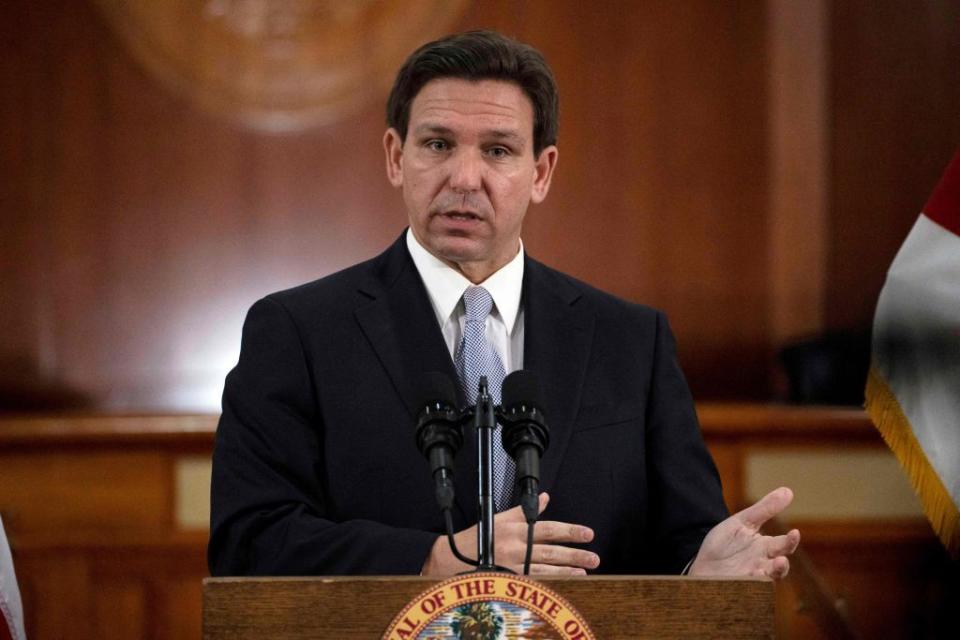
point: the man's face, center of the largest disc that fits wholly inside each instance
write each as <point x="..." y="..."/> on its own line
<point x="468" y="172"/>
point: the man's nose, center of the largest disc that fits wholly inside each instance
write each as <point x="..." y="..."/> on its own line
<point x="466" y="171"/>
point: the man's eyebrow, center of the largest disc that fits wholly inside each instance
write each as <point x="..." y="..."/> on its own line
<point x="495" y="134"/>
<point x="507" y="134"/>
<point x="434" y="129"/>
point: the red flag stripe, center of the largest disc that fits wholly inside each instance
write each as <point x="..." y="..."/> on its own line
<point x="943" y="207"/>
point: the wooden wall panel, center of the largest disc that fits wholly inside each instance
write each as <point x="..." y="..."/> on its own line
<point x="140" y="229"/>
<point x="798" y="50"/>
<point x="895" y="105"/>
<point x="119" y="610"/>
<point x="136" y="229"/>
<point x="104" y="489"/>
<point x="894" y="579"/>
<point x="17" y="348"/>
<point x="62" y="578"/>
<point x="660" y="187"/>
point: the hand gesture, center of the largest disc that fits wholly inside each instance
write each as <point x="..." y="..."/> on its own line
<point x="735" y="547"/>
<point x="510" y="546"/>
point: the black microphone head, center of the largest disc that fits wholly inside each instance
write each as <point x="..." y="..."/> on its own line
<point x="438" y="427"/>
<point x="438" y="435"/>
<point x="525" y="435"/>
<point x="521" y="387"/>
<point x="521" y="413"/>
<point x="435" y="387"/>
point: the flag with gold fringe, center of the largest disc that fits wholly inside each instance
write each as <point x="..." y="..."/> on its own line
<point x="913" y="389"/>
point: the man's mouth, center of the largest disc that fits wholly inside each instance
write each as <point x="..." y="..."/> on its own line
<point x="460" y="215"/>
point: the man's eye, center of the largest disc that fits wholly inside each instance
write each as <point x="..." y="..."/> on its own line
<point x="437" y="145"/>
<point x="498" y="152"/>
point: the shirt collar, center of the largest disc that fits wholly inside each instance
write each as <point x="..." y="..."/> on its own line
<point x="445" y="285"/>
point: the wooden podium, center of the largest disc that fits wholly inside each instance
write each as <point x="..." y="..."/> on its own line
<point x="614" y="607"/>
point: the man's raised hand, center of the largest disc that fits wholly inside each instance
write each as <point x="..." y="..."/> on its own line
<point x="735" y="547"/>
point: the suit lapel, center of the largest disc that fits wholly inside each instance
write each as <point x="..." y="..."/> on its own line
<point x="401" y="326"/>
<point x="558" y="335"/>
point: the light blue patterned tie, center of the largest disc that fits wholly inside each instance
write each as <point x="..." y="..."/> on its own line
<point x="477" y="357"/>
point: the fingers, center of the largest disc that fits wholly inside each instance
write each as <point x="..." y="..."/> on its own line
<point x="548" y="555"/>
<point x="546" y="530"/>
<point x="511" y="545"/>
<point x="777" y="550"/>
<point x="559" y="556"/>
<point x="516" y="513"/>
<point x="557" y="560"/>
<point x="549" y="569"/>
<point x="767" y="507"/>
<point x="779" y="568"/>
<point x="548" y="550"/>
<point x="552" y="531"/>
<point x="782" y="545"/>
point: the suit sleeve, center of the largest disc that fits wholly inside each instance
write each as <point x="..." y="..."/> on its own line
<point x="268" y="514"/>
<point x="685" y="494"/>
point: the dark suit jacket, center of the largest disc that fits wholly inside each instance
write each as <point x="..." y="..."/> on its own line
<point x="315" y="469"/>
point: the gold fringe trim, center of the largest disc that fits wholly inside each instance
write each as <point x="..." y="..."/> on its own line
<point x="888" y="417"/>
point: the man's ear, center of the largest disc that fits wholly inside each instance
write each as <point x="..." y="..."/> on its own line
<point x="393" y="148"/>
<point x="545" y="164"/>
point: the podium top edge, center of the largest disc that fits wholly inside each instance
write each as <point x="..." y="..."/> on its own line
<point x="428" y="579"/>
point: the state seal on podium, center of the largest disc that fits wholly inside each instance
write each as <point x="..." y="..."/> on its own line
<point x="488" y="606"/>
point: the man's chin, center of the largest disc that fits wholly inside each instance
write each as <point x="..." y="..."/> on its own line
<point x="457" y="249"/>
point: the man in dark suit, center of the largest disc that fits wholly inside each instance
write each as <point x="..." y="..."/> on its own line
<point x="315" y="467"/>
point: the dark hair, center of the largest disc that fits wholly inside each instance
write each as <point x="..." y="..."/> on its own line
<point x="479" y="55"/>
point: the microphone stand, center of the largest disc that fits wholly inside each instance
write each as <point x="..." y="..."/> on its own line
<point x="485" y="422"/>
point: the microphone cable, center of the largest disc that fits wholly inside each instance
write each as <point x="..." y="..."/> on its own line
<point x="448" y="519"/>
<point x="529" y="554"/>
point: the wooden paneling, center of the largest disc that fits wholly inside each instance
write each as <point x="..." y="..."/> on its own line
<point x="797" y="44"/>
<point x="97" y="490"/>
<point x="89" y="505"/>
<point x="120" y="610"/>
<point x="895" y="111"/>
<point x="113" y="587"/>
<point x="893" y="578"/>
<point x="137" y="229"/>
<point x="54" y="587"/>
<point x="661" y="181"/>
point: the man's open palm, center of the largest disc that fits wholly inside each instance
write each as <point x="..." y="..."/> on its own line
<point x="735" y="547"/>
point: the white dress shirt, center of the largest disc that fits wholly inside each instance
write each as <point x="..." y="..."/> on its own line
<point x="445" y="286"/>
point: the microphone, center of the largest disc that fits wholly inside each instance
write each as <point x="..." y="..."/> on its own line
<point x="439" y="434"/>
<point x="525" y="435"/>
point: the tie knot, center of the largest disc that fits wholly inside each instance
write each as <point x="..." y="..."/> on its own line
<point x="478" y="303"/>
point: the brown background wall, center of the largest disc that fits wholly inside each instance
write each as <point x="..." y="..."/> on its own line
<point x="136" y="229"/>
<point x="895" y="109"/>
